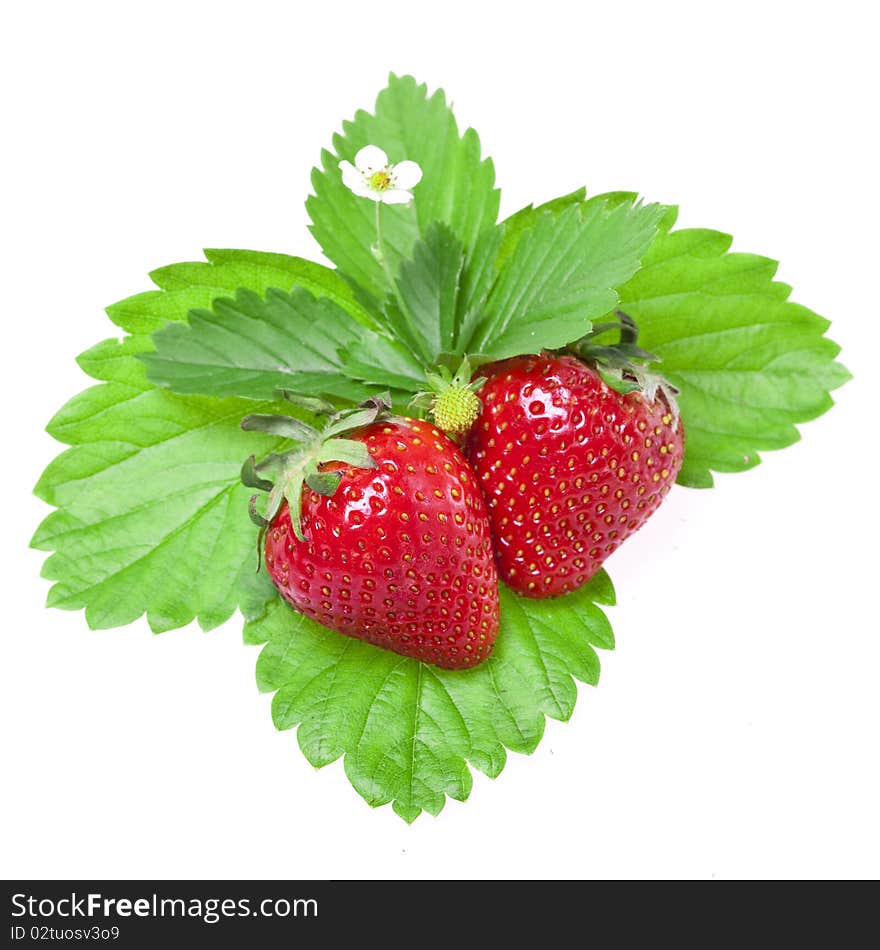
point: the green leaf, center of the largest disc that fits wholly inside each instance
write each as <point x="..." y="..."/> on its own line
<point x="427" y="292"/>
<point x="477" y="279"/>
<point x="151" y="515"/>
<point x="254" y="347"/>
<point x="750" y="364"/>
<point x="150" y="487"/>
<point x="457" y="187"/>
<point x="115" y="361"/>
<point x="385" y="363"/>
<point x="408" y="731"/>
<point x="518" y="224"/>
<point x="561" y="274"/>
<point x="195" y="285"/>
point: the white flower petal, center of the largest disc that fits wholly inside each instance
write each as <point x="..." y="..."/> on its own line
<point x="362" y="189"/>
<point x="352" y="178"/>
<point x="370" y="159"/>
<point x="394" y="197"/>
<point x="406" y="175"/>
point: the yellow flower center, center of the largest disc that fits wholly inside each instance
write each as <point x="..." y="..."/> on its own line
<point x="380" y="181"/>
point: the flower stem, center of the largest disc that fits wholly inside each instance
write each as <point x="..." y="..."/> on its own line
<point x="381" y="250"/>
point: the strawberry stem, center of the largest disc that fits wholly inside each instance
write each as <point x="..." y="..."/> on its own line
<point x="622" y="365"/>
<point x="283" y="474"/>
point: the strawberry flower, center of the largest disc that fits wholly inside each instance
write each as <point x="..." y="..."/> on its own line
<point x="373" y="177"/>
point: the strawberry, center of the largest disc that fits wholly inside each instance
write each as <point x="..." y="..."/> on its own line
<point x="392" y="542"/>
<point x="570" y="468"/>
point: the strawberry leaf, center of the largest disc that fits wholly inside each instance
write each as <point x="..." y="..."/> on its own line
<point x="197" y="284"/>
<point x="151" y="517"/>
<point x="477" y="279"/>
<point x="560" y="275"/>
<point x="150" y="477"/>
<point x="457" y="187"/>
<point x="408" y="731"/>
<point x="253" y="346"/>
<point x="424" y="312"/>
<point x="514" y="227"/>
<point x="749" y="363"/>
<point x="190" y="285"/>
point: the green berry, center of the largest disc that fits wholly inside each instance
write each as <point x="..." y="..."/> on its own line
<point x="456" y="409"/>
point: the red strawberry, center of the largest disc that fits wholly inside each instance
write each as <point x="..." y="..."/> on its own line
<point x="398" y="554"/>
<point x="569" y="467"/>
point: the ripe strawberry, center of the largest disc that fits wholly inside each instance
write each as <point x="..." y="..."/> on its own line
<point x="398" y="553"/>
<point x="570" y="468"/>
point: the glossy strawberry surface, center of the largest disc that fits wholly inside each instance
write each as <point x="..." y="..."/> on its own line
<point x="569" y="468"/>
<point x="400" y="555"/>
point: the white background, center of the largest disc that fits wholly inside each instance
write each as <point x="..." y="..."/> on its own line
<point x="734" y="732"/>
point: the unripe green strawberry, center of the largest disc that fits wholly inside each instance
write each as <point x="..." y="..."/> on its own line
<point x="452" y="401"/>
<point x="456" y="409"/>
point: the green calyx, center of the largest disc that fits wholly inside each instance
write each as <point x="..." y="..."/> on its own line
<point x="452" y="401"/>
<point x="623" y="365"/>
<point x="283" y="474"/>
